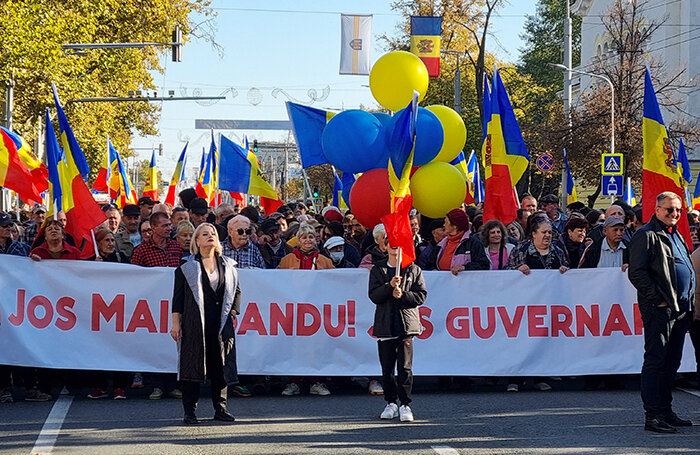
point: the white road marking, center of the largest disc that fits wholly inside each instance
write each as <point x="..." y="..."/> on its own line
<point x="444" y="450"/>
<point x="49" y="432"/>
<point x="692" y="392"/>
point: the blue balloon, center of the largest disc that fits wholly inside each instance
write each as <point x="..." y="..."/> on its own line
<point x="429" y="137"/>
<point x="353" y="141"/>
<point x="384" y="118"/>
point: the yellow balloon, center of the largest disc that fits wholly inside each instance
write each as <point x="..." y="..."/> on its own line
<point x="455" y="132"/>
<point x="437" y="188"/>
<point x="395" y="76"/>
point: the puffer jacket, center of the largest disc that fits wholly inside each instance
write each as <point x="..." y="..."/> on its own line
<point x="388" y="307"/>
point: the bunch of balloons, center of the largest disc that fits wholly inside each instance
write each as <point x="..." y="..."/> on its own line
<point x="355" y="141"/>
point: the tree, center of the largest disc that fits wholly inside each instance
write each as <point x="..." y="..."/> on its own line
<point x="630" y="33"/>
<point x="465" y="26"/>
<point x="31" y="35"/>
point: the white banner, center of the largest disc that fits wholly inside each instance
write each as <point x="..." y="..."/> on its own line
<point x="355" y="43"/>
<point x="87" y="315"/>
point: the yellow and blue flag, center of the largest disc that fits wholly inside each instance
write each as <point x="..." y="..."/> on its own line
<point x="685" y="165"/>
<point x="629" y="197"/>
<point x="239" y="171"/>
<point x="696" y="194"/>
<point x="121" y="190"/>
<point x="53" y="157"/>
<point x="308" y="124"/>
<point x="338" y="200"/>
<point x="571" y="195"/>
<point x="516" y="156"/>
<point x="474" y="177"/>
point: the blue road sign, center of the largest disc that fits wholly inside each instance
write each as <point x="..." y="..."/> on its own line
<point x="612" y="185"/>
<point x="612" y="164"/>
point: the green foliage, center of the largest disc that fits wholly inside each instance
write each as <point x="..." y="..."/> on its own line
<point x="31" y="35"/>
<point x="544" y="43"/>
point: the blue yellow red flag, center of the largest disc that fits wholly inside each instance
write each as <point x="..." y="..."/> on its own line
<point x="37" y="169"/>
<point x="53" y="157"/>
<point x="240" y="172"/>
<point x="178" y="176"/>
<point x="425" y="41"/>
<point x="685" y="164"/>
<point x="696" y="194"/>
<point x="516" y="156"/>
<point x="499" y="199"/>
<point x="150" y="188"/>
<point x="14" y="174"/>
<point x="308" y="124"/>
<point x="659" y="167"/>
<point x="122" y="191"/>
<point x="628" y="196"/>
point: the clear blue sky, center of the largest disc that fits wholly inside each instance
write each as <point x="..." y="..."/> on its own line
<point x="275" y="44"/>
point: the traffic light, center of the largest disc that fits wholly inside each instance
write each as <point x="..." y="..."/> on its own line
<point x="177" y="44"/>
<point x="255" y="146"/>
<point x="316" y="191"/>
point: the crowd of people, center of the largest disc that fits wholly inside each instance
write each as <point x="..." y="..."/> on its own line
<point x="151" y="234"/>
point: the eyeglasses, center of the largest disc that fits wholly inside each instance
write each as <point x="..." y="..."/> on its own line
<point x="670" y="210"/>
<point x="244" y="231"/>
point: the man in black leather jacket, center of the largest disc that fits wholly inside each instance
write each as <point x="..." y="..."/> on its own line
<point x="661" y="270"/>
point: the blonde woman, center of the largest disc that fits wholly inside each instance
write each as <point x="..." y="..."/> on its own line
<point x="206" y="299"/>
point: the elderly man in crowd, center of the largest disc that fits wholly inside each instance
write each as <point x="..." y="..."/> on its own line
<point x="31" y="227"/>
<point x="238" y="245"/>
<point x="270" y="243"/>
<point x="614" y="210"/>
<point x="121" y="237"/>
<point x="661" y="270"/>
<point x="550" y="205"/>
<point x="529" y="203"/>
<point x="132" y="220"/>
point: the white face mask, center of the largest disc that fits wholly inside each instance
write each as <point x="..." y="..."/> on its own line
<point x="337" y="256"/>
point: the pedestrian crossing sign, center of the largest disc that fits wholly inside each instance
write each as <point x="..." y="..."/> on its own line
<point x="612" y="164"/>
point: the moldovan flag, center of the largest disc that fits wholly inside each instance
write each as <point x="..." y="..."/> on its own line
<point x="37" y="169"/>
<point x="121" y="190"/>
<point x="499" y="201"/>
<point x="14" y="174"/>
<point x="240" y="172"/>
<point x="425" y="41"/>
<point x="400" y="136"/>
<point x="308" y="124"/>
<point x="204" y="186"/>
<point x="659" y="166"/>
<point x="82" y="212"/>
<point x="355" y="43"/>
<point x="178" y="176"/>
<point x="516" y="157"/>
<point x="151" y="186"/>
<point x="571" y="195"/>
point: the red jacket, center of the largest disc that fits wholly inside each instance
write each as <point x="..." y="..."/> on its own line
<point x="68" y="252"/>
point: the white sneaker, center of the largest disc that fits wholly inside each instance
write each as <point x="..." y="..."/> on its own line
<point x="543" y="386"/>
<point x="391" y="411"/>
<point x="405" y="414"/>
<point x="512" y="388"/>
<point x="319" y="389"/>
<point x="290" y="389"/>
<point x="375" y="388"/>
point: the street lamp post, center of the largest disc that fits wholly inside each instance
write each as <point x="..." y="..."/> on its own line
<point x="612" y="96"/>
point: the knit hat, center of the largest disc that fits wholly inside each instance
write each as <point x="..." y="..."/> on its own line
<point x="331" y="213"/>
<point x="459" y="219"/>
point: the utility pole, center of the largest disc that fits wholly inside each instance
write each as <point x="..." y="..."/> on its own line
<point x="458" y="81"/>
<point x="567" y="92"/>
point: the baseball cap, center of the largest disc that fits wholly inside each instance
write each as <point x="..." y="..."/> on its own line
<point x="333" y="242"/>
<point x="131" y="210"/>
<point x="5" y="219"/>
<point x="613" y="221"/>
<point x="146" y="200"/>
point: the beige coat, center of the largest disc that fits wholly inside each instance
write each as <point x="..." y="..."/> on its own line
<point x="290" y="261"/>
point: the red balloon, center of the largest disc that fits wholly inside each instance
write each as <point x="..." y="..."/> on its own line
<point x="369" y="197"/>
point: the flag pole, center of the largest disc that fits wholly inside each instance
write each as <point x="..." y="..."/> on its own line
<point x="94" y="243"/>
<point x="398" y="263"/>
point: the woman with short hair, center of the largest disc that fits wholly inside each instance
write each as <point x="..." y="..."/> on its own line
<point x="206" y="300"/>
<point x="54" y="245"/>
<point x="306" y="255"/>
<point x="183" y="235"/>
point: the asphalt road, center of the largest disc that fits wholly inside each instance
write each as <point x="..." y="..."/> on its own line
<point x="484" y="420"/>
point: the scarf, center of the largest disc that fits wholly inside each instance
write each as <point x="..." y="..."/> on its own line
<point x="307" y="261"/>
